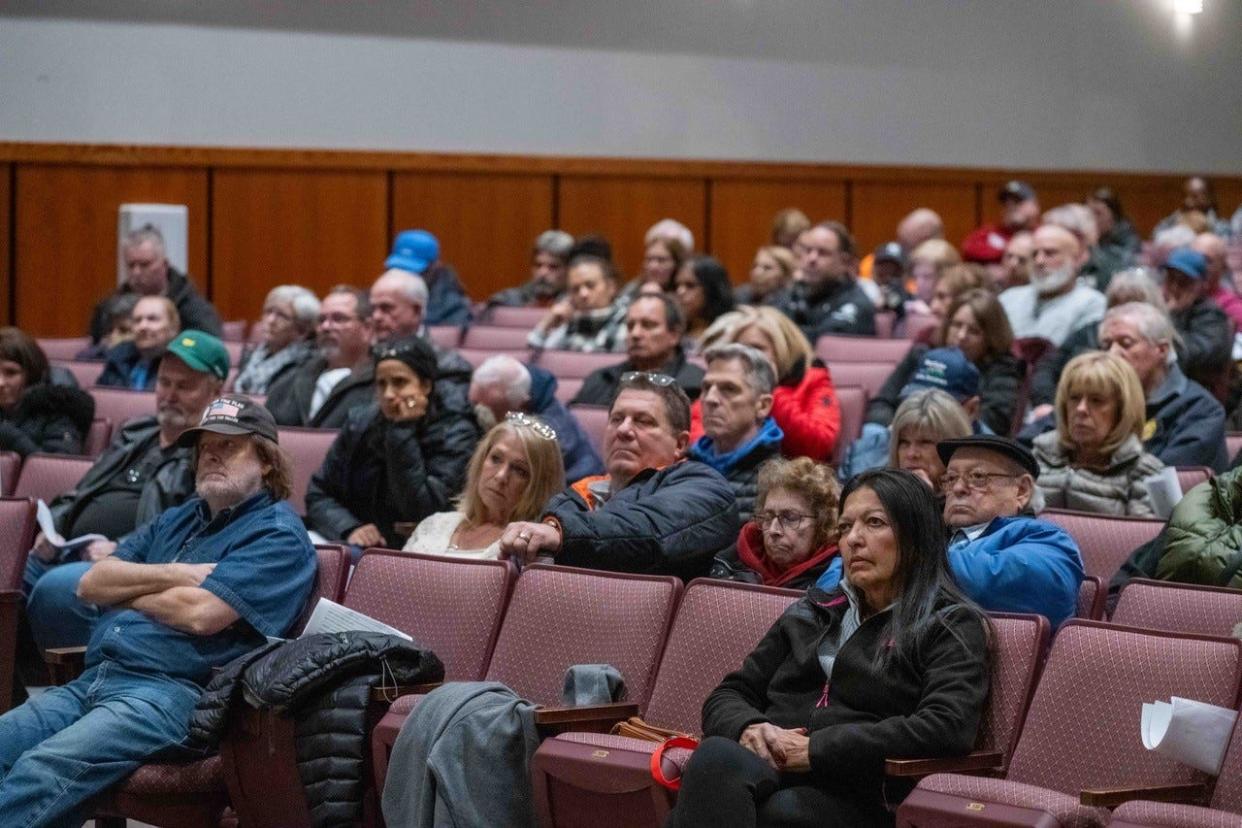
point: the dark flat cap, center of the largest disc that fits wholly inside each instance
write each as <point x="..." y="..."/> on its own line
<point x="1012" y="449"/>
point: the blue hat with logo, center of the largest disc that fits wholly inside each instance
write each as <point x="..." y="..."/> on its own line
<point x="413" y="250"/>
<point x="1184" y="260"/>
<point x="948" y="370"/>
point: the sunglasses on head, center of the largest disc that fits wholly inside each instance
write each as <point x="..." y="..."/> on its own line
<point x="521" y="418"/>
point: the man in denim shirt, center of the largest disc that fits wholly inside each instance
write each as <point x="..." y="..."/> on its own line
<point x="193" y="589"/>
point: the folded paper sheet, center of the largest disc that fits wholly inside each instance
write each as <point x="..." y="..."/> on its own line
<point x="1191" y="732"/>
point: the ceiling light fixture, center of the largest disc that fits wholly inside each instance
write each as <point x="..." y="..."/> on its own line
<point x="1188" y="6"/>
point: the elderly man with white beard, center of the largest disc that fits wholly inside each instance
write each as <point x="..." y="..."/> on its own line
<point x="1054" y="303"/>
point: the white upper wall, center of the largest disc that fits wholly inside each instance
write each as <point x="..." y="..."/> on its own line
<point x="1096" y="84"/>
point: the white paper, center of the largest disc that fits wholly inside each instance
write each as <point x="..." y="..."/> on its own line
<point x="1191" y="732"/>
<point x="331" y="617"/>
<point x="1165" y="490"/>
<point x="48" y="526"/>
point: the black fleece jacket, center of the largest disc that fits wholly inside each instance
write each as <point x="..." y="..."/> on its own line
<point x="928" y="705"/>
<point x="50" y="418"/>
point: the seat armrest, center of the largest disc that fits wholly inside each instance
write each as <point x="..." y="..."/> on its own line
<point x="10" y="596"/>
<point x="1190" y="793"/>
<point x="980" y="760"/>
<point x="64" y="664"/>
<point x="387" y="694"/>
<point x="589" y="718"/>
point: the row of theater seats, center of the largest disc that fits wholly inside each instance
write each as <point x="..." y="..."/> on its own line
<point x="1068" y="723"/>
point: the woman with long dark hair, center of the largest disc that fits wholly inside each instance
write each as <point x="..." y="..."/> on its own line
<point x="893" y="663"/>
<point x="702" y="290"/>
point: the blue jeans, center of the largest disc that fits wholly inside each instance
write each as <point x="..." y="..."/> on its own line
<point x="62" y="749"/>
<point x="58" y="618"/>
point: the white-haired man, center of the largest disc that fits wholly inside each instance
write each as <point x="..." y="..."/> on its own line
<point x="1054" y="304"/>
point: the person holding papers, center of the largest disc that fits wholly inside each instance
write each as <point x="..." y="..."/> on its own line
<point x="143" y="472"/>
<point x="186" y="593"/>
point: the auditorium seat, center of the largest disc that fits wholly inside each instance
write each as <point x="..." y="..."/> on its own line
<point x="98" y="437"/>
<point x="476" y="356"/>
<point x="451" y="606"/>
<point x="914" y="324"/>
<point x="1183" y="608"/>
<point x="885" y="321"/>
<point x="235" y="348"/>
<point x="573" y="785"/>
<point x="575" y="363"/>
<point x="495" y="338"/>
<point x="84" y="371"/>
<point x="869" y="376"/>
<point x="594" y="420"/>
<point x="1190" y="476"/>
<point x="307" y="447"/>
<point x="559" y="617"/>
<point x="17" y="516"/>
<point x="10" y="468"/>
<point x="1104" y="540"/>
<point x="234" y="330"/>
<point x="64" y="349"/>
<point x="444" y="336"/>
<point x="1233" y="444"/>
<point x="853" y="402"/>
<point x="1081" y="734"/>
<point x="503" y="317"/>
<point x="120" y="405"/>
<point x="834" y="348"/>
<point x="1091" y="595"/>
<point x="567" y="388"/>
<point x="44" y="476"/>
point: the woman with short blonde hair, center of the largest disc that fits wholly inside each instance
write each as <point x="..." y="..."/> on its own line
<point x="1094" y="461"/>
<point x="922" y="420"/>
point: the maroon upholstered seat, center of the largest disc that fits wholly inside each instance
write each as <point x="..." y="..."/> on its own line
<point x="834" y="348"/>
<point x="97" y="437"/>
<point x="594" y="420"/>
<point x="1190" y="476"/>
<point x="307" y="447"/>
<point x="1081" y="731"/>
<point x="476" y="356"/>
<point x="64" y="349"/>
<point x="1233" y="444"/>
<point x="86" y="372"/>
<point x="121" y="405"/>
<point x="576" y="363"/>
<point x="853" y="403"/>
<point x="234" y="330"/>
<point x="10" y="467"/>
<point x="1188" y="608"/>
<point x="583" y="778"/>
<point x="47" y="475"/>
<point x="567" y="388"/>
<point x="17" y="516"/>
<point x="503" y="317"/>
<point x="1104" y="540"/>
<point x="869" y="376"/>
<point x="445" y="336"/>
<point x="559" y="617"/>
<point x="1091" y="595"/>
<point x="495" y="337"/>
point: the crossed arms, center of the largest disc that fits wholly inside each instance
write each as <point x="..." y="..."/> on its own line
<point x="170" y="593"/>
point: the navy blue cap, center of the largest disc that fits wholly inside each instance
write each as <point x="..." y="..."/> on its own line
<point x="948" y="370"/>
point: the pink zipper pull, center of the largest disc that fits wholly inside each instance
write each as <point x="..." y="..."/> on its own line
<point x="823" y="699"/>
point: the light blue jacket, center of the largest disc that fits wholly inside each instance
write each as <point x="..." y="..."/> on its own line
<point x="1020" y="564"/>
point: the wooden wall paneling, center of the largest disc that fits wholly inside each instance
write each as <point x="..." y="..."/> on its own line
<point x="623" y="207"/>
<point x="877" y="207"/>
<point x="742" y="211"/>
<point x="316" y="228"/>
<point x="1228" y="197"/>
<point x="486" y="224"/>
<point x="6" y="241"/>
<point x="66" y="245"/>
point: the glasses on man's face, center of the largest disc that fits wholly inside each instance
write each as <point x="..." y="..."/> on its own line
<point x="789" y="520"/>
<point x="646" y="377"/>
<point x="521" y="418"/>
<point x="975" y="480"/>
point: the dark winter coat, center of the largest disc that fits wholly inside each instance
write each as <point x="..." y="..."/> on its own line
<point x="1207" y="334"/>
<point x="837" y="308"/>
<point x="383" y="472"/>
<point x="170" y="484"/>
<point x="195" y="311"/>
<point x="120" y="364"/>
<point x="667" y="522"/>
<point x="601" y="385"/>
<point x="49" y="418"/>
<point x="446" y="299"/>
<point x="1000" y="378"/>
<point x="325" y="682"/>
<point x="928" y="705"/>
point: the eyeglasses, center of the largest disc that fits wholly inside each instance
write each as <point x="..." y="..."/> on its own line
<point x="790" y="520"/>
<point x="521" y="418"/>
<point x="975" y="480"/>
<point x="649" y="377"/>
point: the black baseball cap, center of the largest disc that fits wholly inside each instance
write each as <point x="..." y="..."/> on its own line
<point x="1016" y="190"/>
<point x="1012" y="449"/>
<point x="232" y="415"/>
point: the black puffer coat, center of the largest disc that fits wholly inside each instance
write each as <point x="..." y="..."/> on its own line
<point x="51" y="418"/>
<point x="325" y="682"/>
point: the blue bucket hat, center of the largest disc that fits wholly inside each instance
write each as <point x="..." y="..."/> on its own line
<point x="413" y="250"/>
<point x="948" y="370"/>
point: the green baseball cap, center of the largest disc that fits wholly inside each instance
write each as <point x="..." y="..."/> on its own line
<point x="201" y="351"/>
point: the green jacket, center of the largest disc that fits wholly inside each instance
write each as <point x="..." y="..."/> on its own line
<point x="1204" y="543"/>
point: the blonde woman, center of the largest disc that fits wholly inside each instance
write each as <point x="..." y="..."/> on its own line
<point x="804" y="402"/>
<point x="922" y="420"/>
<point x="1094" y="461"/>
<point x="771" y="271"/>
<point x="516" y="468"/>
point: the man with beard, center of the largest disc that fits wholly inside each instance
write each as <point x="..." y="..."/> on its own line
<point x="548" y="264"/>
<point x="140" y="475"/>
<point x="183" y="595"/>
<point x="1054" y="304"/>
<point x="321" y="392"/>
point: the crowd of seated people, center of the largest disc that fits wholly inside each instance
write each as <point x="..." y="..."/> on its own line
<point x="721" y="420"/>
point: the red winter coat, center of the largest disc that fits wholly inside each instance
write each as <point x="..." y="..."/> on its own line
<point x="805" y="407"/>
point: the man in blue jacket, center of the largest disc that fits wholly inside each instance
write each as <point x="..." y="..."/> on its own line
<point x="187" y="592"/>
<point x="1002" y="557"/>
